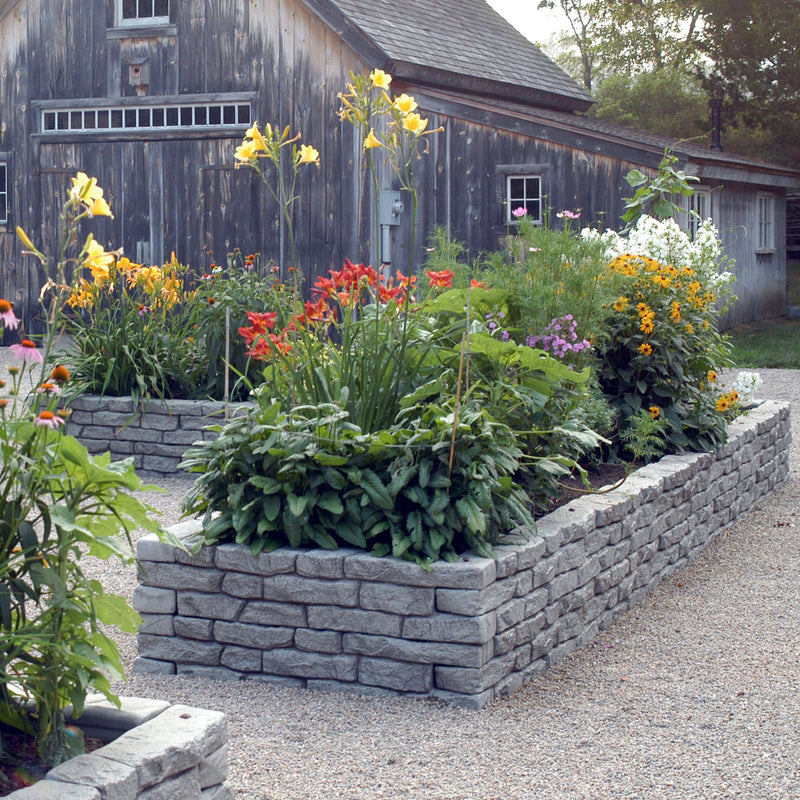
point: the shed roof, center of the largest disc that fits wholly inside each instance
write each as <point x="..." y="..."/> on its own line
<point x="465" y="46"/>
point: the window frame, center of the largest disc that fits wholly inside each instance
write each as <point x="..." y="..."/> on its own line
<point x="524" y="176"/>
<point x="5" y="190"/>
<point x="765" y="223"/>
<point x="694" y="223"/>
<point x="138" y="21"/>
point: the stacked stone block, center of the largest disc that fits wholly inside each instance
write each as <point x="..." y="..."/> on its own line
<point x="465" y="632"/>
<point x="156" y="435"/>
<point x="155" y="750"/>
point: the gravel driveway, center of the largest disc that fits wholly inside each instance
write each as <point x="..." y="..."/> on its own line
<point x="693" y="694"/>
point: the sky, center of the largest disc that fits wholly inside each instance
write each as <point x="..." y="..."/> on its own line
<point x="537" y="24"/>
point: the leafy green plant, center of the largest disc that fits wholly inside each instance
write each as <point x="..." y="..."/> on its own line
<point x="311" y="477"/>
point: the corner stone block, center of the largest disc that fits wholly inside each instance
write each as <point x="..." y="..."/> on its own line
<point x="110" y="777"/>
<point x="386" y="647"/>
<point x="175" y="741"/>
<point x="470" y="572"/>
<point x="181" y="577"/>
<point x="451" y="628"/>
<point x="151" y="548"/>
<point x="213" y="769"/>
<point x="310" y="665"/>
<point x="474" y="602"/>
<point x="474" y="681"/>
<point x="400" y="675"/>
<point x="470" y="702"/>
<point x="575" y="521"/>
<point x="394" y="599"/>
<point x="236" y="557"/>
<point x="335" y="618"/>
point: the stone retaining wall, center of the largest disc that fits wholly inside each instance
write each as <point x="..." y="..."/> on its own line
<point x="466" y="632"/>
<point x="156" y="750"/>
<point x="156" y="438"/>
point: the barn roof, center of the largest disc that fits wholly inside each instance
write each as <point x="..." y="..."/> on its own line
<point x="465" y="46"/>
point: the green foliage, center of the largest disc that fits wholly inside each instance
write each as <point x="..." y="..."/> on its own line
<point x="311" y="477"/>
<point x="654" y="195"/>
<point x="58" y="504"/>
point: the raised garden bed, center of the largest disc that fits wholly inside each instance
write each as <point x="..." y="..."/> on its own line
<point x="466" y="632"/>
<point x="154" y="750"/>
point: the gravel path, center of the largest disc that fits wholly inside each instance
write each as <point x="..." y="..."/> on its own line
<point x="693" y="694"/>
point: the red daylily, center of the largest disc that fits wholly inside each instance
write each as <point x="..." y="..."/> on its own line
<point x="442" y="279"/>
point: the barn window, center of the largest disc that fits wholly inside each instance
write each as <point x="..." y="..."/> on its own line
<point x="524" y="192"/>
<point x="4" y="193"/>
<point x="234" y="113"/>
<point x="133" y="12"/>
<point x="699" y="205"/>
<point x="766" y="223"/>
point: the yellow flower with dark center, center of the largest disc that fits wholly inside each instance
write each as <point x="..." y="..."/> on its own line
<point x="620" y="304"/>
<point x="675" y="311"/>
<point x="712" y="376"/>
<point x="655" y="412"/>
<point x="646" y="349"/>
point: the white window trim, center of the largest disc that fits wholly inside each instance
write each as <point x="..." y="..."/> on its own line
<point x="510" y="219"/>
<point x="765" y="225"/>
<point x="693" y="223"/>
<point x="5" y="191"/>
<point x="140" y="21"/>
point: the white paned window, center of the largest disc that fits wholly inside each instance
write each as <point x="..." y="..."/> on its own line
<point x="3" y="193"/>
<point x="151" y="117"/>
<point x="524" y="192"/>
<point x="766" y="222"/>
<point x="133" y="12"/>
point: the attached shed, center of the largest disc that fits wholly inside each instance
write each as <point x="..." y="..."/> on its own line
<point x="152" y="97"/>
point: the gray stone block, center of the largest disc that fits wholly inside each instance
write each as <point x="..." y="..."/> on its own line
<point x="459" y="655"/>
<point x="310" y="665"/>
<point x="241" y="659"/>
<point x="241" y="584"/>
<point x="469" y="572"/>
<point x="258" y="636"/>
<point x="150" y="548"/>
<point x="356" y="620"/>
<point x="277" y="680"/>
<point x="171" y="743"/>
<point x="394" y="599"/>
<point x="194" y="628"/>
<point x="320" y="563"/>
<point x="280" y="614"/>
<point x="157" y="624"/>
<point x="474" y="602"/>
<point x="213" y="769"/>
<point x="237" y="558"/>
<point x="296" y="589"/>
<point x="182" y="651"/>
<point x="56" y="790"/>
<point x="535" y="601"/>
<point x="510" y="614"/>
<point x="110" y="777"/>
<point x="562" y="584"/>
<point x="323" y="685"/>
<point x="471" y="702"/>
<point x="450" y="628"/>
<point x="182" y="787"/>
<point x="474" y="681"/>
<point x="154" y="600"/>
<point x="210" y="673"/>
<point x="318" y="641"/>
<point x="399" y="675"/>
<point x="209" y="606"/>
<point x="527" y="630"/>
<point x="151" y="666"/>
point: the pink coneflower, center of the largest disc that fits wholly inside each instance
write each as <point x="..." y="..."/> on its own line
<point x="48" y="388"/>
<point x="26" y="350"/>
<point x="7" y="315"/>
<point x="143" y="311"/>
<point x="47" y="419"/>
<point x="569" y="215"/>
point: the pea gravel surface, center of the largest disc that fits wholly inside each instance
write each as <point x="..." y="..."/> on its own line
<point x="695" y="693"/>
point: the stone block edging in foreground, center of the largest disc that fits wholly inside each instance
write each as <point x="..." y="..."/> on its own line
<point x="155" y="750"/>
<point x="466" y="632"/>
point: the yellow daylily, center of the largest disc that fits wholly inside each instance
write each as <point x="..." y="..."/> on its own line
<point x="308" y="155"/>
<point x="372" y="140"/>
<point x="100" y="208"/>
<point x="254" y="133"/>
<point x="98" y="261"/>
<point x="405" y="104"/>
<point x="246" y="151"/>
<point x="84" y="188"/>
<point x="413" y="123"/>
<point x="380" y="79"/>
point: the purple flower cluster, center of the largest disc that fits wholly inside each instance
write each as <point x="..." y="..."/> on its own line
<point x="493" y="326"/>
<point x="560" y="338"/>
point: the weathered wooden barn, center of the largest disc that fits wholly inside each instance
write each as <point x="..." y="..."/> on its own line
<point x="152" y="97"/>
